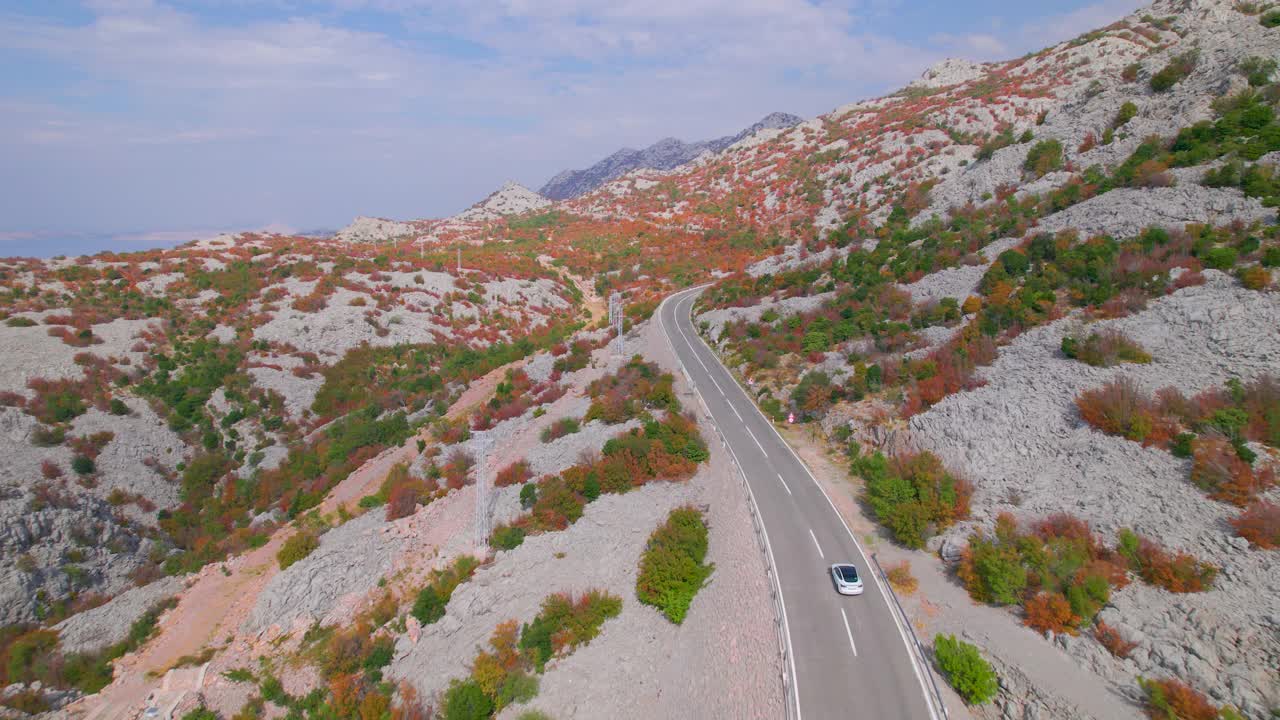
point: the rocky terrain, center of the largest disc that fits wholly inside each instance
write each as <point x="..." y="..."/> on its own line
<point x="666" y="154"/>
<point x="285" y="475"/>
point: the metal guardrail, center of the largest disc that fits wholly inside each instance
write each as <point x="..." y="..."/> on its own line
<point x="757" y="525"/>
<point x="919" y="648"/>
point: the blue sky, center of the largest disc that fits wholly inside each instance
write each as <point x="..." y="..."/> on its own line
<point x="140" y="117"/>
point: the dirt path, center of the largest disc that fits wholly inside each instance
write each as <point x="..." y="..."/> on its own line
<point x="941" y="605"/>
<point x="592" y="301"/>
<point x="221" y="595"/>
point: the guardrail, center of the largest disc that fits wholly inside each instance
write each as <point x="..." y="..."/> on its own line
<point x="762" y="541"/>
<point x="915" y="641"/>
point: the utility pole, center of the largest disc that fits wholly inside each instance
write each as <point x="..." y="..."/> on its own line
<point x="459" y="259"/>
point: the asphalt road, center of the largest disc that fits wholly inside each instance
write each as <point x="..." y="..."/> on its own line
<point x="849" y="656"/>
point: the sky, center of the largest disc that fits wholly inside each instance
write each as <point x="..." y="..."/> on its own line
<point x="136" y="123"/>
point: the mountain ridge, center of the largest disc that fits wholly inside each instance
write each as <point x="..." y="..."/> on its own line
<point x="665" y="154"/>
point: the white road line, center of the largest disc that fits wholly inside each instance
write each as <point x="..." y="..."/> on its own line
<point x="898" y="623"/>
<point x="735" y="411"/>
<point x="846" y="629"/>
<point x="815" y="544"/>
<point x="753" y="437"/>
<point x="784" y="483"/>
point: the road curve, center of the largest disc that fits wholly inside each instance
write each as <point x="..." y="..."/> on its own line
<point x="849" y="656"/>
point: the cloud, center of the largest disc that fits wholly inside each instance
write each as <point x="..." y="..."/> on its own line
<point x="209" y="114"/>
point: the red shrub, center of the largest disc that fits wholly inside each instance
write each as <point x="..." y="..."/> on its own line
<point x="1260" y="524"/>
<point x="50" y="470"/>
<point x="402" y="500"/>
<point x="12" y="399"/>
<point x="513" y="474"/>
<point x="1178" y="572"/>
<point x="1112" y="640"/>
<point x="1120" y="408"/>
<point x="1188" y="278"/>
<point x="456" y="469"/>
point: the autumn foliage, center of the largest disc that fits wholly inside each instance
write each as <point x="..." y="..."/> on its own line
<point x="1259" y="524"/>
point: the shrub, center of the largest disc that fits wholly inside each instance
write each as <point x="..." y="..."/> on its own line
<point x="466" y="700"/>
<point x="672" y="570"/>
<point x="513" y="474"/>
<point x="1049" y="612"/>
<point x="429" y="605"/>
<point x="1105" y="349"/>
<point x="1259" y="524"/>
<point x="507" y="537"/>
<point x="965" y="669"/>
<point x="118" y="407"/>
<point x="1111" y="639"/>
<point x="901" y="579"/>
<point x="1179" y="67"/>
<point x="1127" y="112"/>
<point x="1257" y="69"/>
<point x="528" y="495"/>
<point x="1270" y="19"/>
<point x="19" y="321"/>
<point x="566" y="622"/>
<point x="50" y="470"/>
<point x="201" y="713"/>
<point x="298" y="546"/>
<point x="1255" y="277"/>
<point x="82" y="464"/>
<point x="1217" y="469"/>
<point x="914" y="496"/>
<point x="1043" y="157"/>
<point x="1177" y="572"/>
<point x="560" y="428"/>
<point x="1120" y="408"/>
<point x="1170" y="699"/>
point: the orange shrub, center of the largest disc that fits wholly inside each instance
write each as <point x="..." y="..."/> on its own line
<point x="1218" y="470"/>
<point x="1171" y="699"/>
<point x="1049" y="612"/>
<point x="1178" y="572"/>
<point x="1259" y="524"/>
<point x="1120" y="408"/>
<point x="513" y="474"/>
<point x="1112" y="640"/>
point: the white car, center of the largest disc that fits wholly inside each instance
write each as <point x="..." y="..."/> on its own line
<point x="846" y="579"/>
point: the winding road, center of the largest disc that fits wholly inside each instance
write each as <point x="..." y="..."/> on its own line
<point x="849" y="657"/>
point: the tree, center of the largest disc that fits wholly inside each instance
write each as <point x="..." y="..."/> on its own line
<point x="466" y="700"/>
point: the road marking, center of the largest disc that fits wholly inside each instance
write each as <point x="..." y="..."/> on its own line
<point x="846" y="629"/>
<point x="773" y="562"/>
<point x="753" y="437"/>
<point x="784" y="483"/>
<point x="735" y="412"/>
<point x="898" y="622"/>
<point x="815" y="544"/>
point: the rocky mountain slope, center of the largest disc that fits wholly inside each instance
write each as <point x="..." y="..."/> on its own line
<point x="989" y="278"/>
<point x="666" y="154"/>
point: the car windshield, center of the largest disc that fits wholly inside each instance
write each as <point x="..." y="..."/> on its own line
<point x="849" y="573"/>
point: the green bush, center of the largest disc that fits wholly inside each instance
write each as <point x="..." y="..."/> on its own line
<point x="82" y="464"/>
<point x="201" y="713"/>
<point x="528" y="495"/>
<point x="429" y="605"/>
<point x="118" y="407"/>
<point x="507" y="537"/>
<point x="466" y="700"/>
<point x="298" y="546"/>
<point x="965" y="669"/>
<point x="1044" y="157"/>
<point x="913" y="495"/>
<point x="565" y="623"/>
<point x="1258" y="70"/>
<point x="1270" y="19"/>
<point x="1179" y="67"/>
<point x="19" y="321"/>
<point x="672" y="570"/>
<point x="1127" y="112"/>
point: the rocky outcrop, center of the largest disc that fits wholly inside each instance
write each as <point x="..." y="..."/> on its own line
<point x="666" y="154"/>
<point x="108" y="624"/>
<point x="511" y="199"/>
<point x="371" y="229"/>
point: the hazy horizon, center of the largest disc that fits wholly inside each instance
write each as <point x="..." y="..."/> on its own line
<point x="135" y="122"/>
